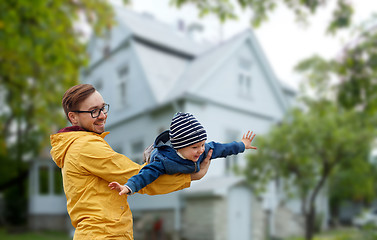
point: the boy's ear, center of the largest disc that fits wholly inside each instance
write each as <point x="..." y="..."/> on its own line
<point x="73" y="118"/>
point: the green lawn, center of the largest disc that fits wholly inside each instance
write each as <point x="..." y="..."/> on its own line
<point x="341" y="234"/>
<point x="33" y="236"/>
<point x="344" y="234"/>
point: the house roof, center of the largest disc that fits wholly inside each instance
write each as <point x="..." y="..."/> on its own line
<point x="162" y="70"/>
<point x="147" y="28"/>
<point x="163" y="51"/>
<point x="176" y="66"/>
<point x="201" y="68"/>
<point x="180" y="76"/>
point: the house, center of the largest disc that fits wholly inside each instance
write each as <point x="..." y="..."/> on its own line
<point x="148" y="71"/>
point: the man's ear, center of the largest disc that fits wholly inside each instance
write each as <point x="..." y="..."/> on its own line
<point x="73" y="118"/>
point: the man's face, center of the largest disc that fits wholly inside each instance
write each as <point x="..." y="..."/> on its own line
<point x="85" y="120"/>
<point x="193" y="151"/>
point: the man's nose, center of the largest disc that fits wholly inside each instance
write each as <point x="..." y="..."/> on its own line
<point x="101" y="114"/>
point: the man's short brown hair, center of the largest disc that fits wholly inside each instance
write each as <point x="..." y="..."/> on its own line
<point x="74" y="96"/>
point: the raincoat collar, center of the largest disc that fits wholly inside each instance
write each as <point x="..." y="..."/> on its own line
<point x="78" y="129"/>
<point x="71" y="129"/>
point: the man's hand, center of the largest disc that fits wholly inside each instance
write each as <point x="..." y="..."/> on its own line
<point x="120" y="188"/>
<point x="247" y="138"/>
<point x="203" y="168"/>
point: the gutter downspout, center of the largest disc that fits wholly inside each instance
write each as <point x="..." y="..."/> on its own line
<point x="178" y="205"/>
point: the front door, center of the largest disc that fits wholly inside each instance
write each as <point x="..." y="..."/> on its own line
<point x="239" y="214"/>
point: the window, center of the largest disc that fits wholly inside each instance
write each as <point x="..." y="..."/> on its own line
<point x="43" y="180"/>
<point x="58" y="181"/>
<point x="137" y="149"/>
<point x="244" y="77"/>
<point x="123" y="76"/>
<point x="231" y="161"/>
<point x="50" y="180"/>
<point x="244" y="85"/>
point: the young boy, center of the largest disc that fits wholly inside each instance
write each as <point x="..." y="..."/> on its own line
<point x="181" y="150"/>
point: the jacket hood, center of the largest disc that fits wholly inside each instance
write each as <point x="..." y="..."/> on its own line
<point x="162" y="140"/>
<point x="165" y="148"/>
<point x="61" y="141"/>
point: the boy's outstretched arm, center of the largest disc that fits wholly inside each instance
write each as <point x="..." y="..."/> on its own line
<point x="247" y="139"/>
<point x="120" y="188"/>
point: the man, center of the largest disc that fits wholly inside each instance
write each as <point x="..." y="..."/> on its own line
<point x="88" y="165"/>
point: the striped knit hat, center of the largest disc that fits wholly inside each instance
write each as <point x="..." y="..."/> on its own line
<point x="185" y="130"/>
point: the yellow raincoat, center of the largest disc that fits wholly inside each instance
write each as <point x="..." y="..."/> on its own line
<point x="88" y="164"/>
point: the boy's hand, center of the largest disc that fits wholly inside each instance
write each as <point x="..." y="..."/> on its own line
<point x="203" y="167"/>
<point x="120" y="188"/>
<point x="247" y="138"/>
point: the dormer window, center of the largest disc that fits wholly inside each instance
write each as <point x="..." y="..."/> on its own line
<point x="121" y="87"/>
<point x="244" y="84"/>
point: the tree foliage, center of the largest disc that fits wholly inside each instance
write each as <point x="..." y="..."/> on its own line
<point x="225" y="10"/>
<point x="41" y="52"/>
<point x="353" y="72"/>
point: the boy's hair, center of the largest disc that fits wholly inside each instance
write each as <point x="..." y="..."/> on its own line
<point x="185" y="130"/>
<point x="74" y="96"/>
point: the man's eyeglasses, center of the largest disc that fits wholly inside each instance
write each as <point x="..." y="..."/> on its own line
<point x="97" y="111"/>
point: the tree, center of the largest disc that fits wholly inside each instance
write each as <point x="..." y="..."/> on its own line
<point x="41" y="52"/>
<point x="225" y="10"/>
<point x="308" y="148"/>
<point x="328" y="141"/>
<point x="353" y="76"/>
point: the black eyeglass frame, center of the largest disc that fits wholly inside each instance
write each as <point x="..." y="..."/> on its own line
<point x="94" y="110"/>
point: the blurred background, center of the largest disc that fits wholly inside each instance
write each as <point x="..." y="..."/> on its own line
<point x="300" y="74"/>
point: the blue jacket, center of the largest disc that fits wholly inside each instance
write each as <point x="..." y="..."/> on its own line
<point x="165" y="160"/>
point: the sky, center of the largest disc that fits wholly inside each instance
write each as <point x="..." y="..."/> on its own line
<point x="283" y="41"/>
